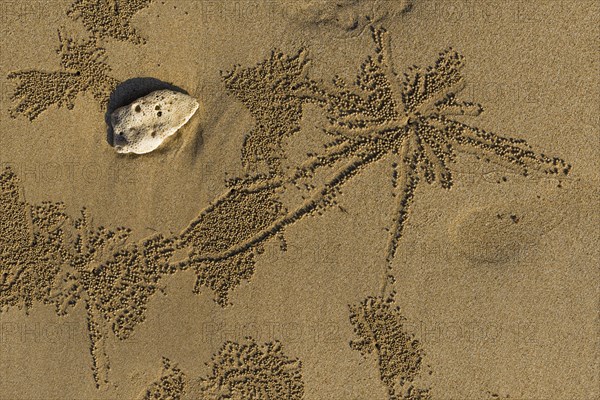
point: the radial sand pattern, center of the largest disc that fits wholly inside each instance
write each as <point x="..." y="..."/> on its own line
<point x="411" y="120"/>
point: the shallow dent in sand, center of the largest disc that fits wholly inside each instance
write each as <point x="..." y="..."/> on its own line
<point x="500" y="233"/>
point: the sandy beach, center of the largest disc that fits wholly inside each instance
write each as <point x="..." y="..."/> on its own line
<point x="374" y="200"/>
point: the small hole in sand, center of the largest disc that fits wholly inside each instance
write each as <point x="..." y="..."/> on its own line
<point x="153" y="134"/>
<point x="138" y="108"/>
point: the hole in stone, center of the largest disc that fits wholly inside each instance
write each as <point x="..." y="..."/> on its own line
<point x="138" y="108"/>
<point x="157" y="107"/>
<point x="159" y="113"/>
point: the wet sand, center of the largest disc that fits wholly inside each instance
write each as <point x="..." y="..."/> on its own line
<point x="375" y="200"/>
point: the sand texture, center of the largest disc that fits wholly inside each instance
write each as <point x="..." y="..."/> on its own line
<point x="375" y="199"/>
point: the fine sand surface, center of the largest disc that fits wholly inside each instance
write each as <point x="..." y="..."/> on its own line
<point x="376" y="199"/>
